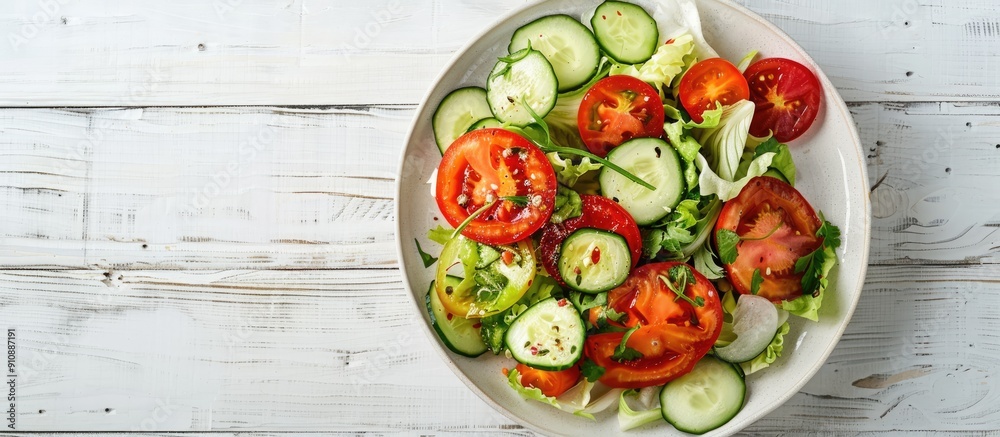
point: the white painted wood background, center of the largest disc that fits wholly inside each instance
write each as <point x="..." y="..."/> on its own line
<point x="197" y="233"/>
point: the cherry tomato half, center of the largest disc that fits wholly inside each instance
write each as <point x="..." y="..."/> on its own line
<point x="709" y="81"/>
<point x="617" y="109"/>
<point x="673" y="336"/>
<point x="777" y="227"/>
<point x="787" y="95"/>
<point x="550" y="383"/>
<point x="482" y="168"/>
<point x="598" y="212"/>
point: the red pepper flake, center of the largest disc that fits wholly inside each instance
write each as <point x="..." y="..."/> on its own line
<point x="563" y="302"/>
<point x="508" y="257"/>
<point x="450" y="316"/>
<point x="595" y="256"/>
<point x="534" y="350"/>
<point x="604" y="17"/>
<point x="477" y="326"/>
<point x="619" y="13"/>
<point x="669" y="41"/>
<point x="505" y="371"/>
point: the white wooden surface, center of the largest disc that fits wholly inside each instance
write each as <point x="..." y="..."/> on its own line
<point x="197" y="215"/>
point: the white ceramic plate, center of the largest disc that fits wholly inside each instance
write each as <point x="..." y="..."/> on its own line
<point x="832" y="175"/>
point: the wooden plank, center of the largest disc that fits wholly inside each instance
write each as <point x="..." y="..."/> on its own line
<point x="199" y="188"/>
<point x="340" y="350"/>
<point x="320" y="52"/>
<point x="245" y="188"/>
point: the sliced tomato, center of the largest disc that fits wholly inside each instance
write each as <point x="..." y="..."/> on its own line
<point x="777" y="226"/>
<point x="710" y="81"/>
<point x="598" y="212"/>
<point x="617" y="109"/>
<point x="674" y="333"/>
<point x="550" y="383"/>
<point x="787" y="96"/>
<point x="490" y="168"/>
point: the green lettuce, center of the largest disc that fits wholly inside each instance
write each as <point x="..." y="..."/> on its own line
<point x="668" y="61"/>
<point x="569" y="172"/>
<point x="711" y="183"/>
<point x="807" y="306"/>
<point x="771" y="354"/>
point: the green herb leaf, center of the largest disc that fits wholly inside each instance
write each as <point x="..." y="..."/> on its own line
<point x="624" y="353"/>
<point x="591" y="370"/>
<point x="727" y="241"/>
<point x="756" y="281"/>
<point x="812" y="265"/>
<point x="521" y="201"/>
<point x="680" y="278"/>
<point x="426" y="257"/>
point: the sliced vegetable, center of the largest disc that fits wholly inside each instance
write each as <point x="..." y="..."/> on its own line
<point x="653" y="160"/>
<point x="522" y="80"/>
<point x="754" y="323"/>
<point x="704" y="399"/>
<point x="550" y="383"/>
<point x="548" y="336"/>
<point x="711" y="82"/>
<point x="788" y="97"/>
<point x="486" y="172"/>
<point x="459" y="111"/>
<point x="566" y="43"/>
<point x="593" y="261"/>
<point x="625" y="31"/>
<point x="459" y="334"/>
<point x="617" y="109"/>
<point x="483" y="291"/>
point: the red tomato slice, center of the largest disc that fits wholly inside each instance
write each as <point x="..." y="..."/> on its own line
<point x="787" y="95"/>
<point x="550" y="383"/>
<point x="598" y="212"/>
<point x="674" y="335"/>
<point x="709" y="81"/>
<point x="490" y="164"/>
<point x="778" y="226"/>
<point x="617" y="109"/>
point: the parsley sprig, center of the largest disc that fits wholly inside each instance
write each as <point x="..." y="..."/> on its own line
<point x="680" y="277"/>
<point x="812" y="264"/>
<point x="624" y="353"/>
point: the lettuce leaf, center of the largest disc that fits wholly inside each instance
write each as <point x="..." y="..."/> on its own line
<point x="668" y="61"/>
<point x="440" y="234"/>
<point x="723" y="145"/>
<point x="569" y="172"/>
<point x="770" y="354"/>
<point x="680" y="17"/>
<point x="782" y="161"/>
<point x="807" y="306"/>
<point x="514" y="381"/>
<point x="710" y="183"/>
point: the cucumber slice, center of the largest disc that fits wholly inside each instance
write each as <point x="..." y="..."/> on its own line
<point x="547" y="336"/>
<point x="486" y="123"/>
<point x="566" y="43"/>
<point x="459" y="334"/>
<point x="704" y="399"/>
<point x="654" y="161"/>
<point x="593" y="260"/>
<point x="625" y="31"/>
<point x="523" y="78"/>
<point x="459" y="110"/>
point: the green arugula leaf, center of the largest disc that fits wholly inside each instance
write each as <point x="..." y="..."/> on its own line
<point x="426" y="257"/>
<point x="591" y="370"/>
<point x="727" y="241"/>
<point x="755" y="282"/>
<point x="624" y="353"/>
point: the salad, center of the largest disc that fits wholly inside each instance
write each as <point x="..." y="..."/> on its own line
<point x="623" y="225"/>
